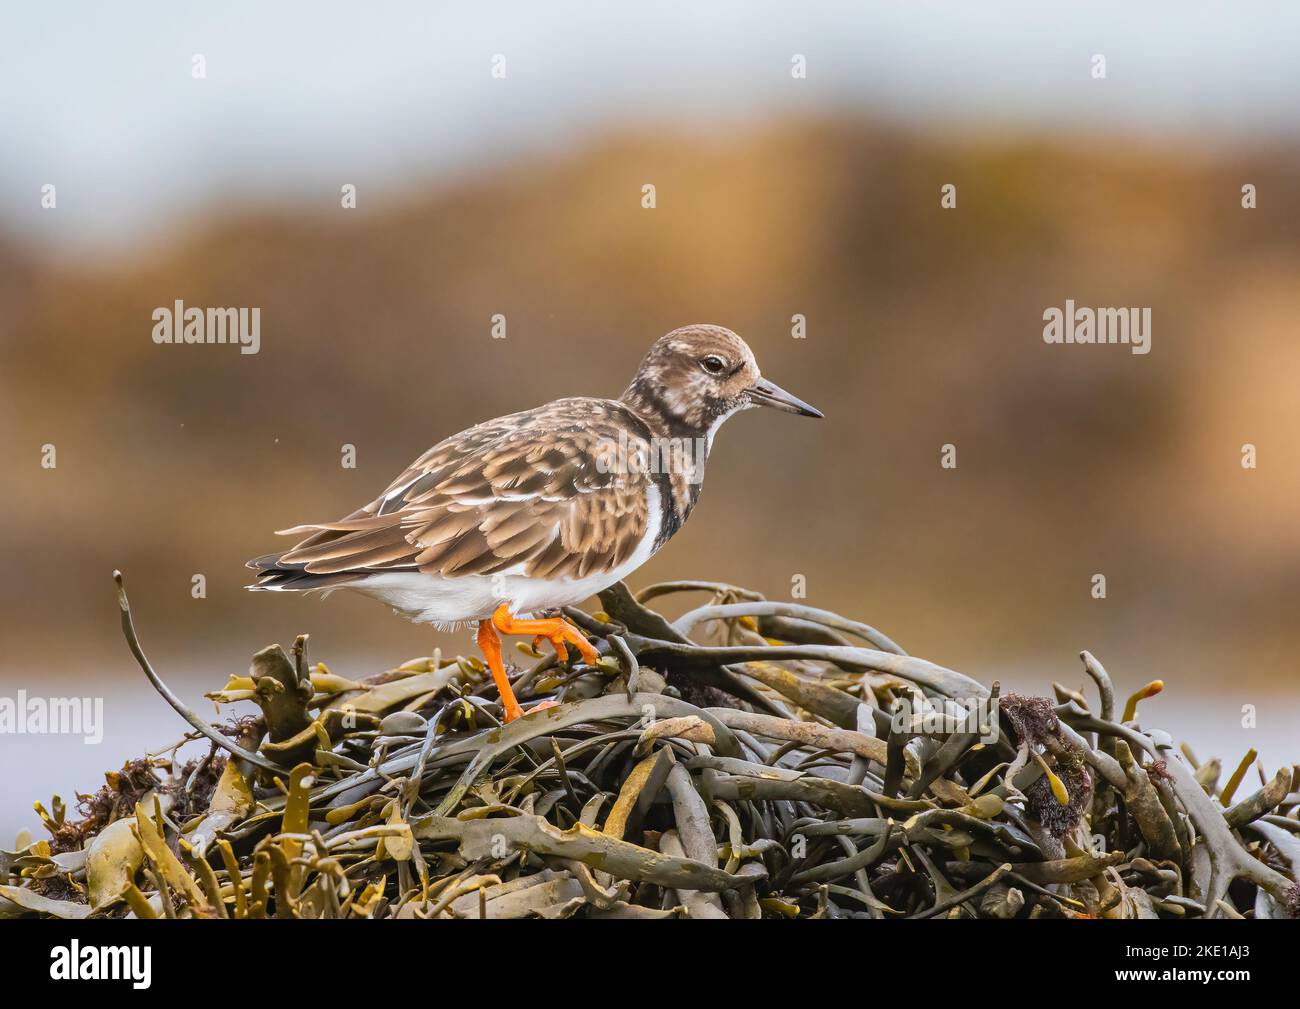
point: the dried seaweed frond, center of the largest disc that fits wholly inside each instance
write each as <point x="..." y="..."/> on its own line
<point x="114" y="799"/>
<point x="1291" y="903"/>
<point x="1045" y="806"/>
<point x="1033" y="719"/>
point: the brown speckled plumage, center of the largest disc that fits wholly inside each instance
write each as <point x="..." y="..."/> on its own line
<point x="522" y="489"/>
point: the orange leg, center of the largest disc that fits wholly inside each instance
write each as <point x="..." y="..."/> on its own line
<point x="556" y="630"/>
<point x="490" y="644"/>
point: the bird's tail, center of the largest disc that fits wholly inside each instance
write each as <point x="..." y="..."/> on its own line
<point x="274" y="575"/>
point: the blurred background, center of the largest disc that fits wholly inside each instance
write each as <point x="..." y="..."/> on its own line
<point x="776" y="196"/>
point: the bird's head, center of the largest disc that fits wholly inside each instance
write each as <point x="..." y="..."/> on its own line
<point x="699" y="375"/>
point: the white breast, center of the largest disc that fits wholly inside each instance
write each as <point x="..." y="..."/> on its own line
<point x="449" y="602"/>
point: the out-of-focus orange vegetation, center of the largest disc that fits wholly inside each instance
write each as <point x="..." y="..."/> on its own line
<point x="924" y="328"/>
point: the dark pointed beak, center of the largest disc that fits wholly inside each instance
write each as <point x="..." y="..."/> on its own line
<point x="765" y="393"/>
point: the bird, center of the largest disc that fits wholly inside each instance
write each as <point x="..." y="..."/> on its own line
<point x="504" y="524"/>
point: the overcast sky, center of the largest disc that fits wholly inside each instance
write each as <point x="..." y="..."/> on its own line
<point x="99" y="98"/>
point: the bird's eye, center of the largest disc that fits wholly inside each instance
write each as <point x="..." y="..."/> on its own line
<point x="713" y="364"/>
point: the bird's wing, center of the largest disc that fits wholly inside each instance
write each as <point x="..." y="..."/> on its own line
<point x="526" y="493"/>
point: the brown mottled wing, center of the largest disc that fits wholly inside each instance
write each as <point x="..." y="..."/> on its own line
<point x="524" y="492"/>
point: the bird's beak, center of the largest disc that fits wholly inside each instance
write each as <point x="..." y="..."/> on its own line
<point x="765" y="393"/>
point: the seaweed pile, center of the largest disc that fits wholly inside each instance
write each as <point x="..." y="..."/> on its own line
<point x="752" y="759"/>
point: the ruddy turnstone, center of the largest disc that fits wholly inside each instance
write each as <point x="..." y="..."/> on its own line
<point x="541" y="509"/>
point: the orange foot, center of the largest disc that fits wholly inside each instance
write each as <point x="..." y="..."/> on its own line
<point x="557" y="631"/>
